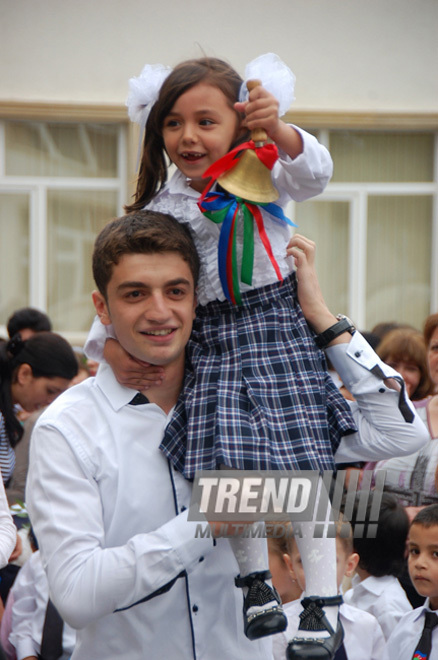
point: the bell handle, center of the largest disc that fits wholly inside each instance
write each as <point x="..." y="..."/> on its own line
<point x="257" y="134"/>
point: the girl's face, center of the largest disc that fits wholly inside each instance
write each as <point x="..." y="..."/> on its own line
<point x="200" y="128"/>
<point x="433" y="357"/>
<point x="409" y="371"/>
<point x="33" y="393"/>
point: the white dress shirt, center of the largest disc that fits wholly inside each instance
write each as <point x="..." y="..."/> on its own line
<point x="383" y="431"/>
<point x="383" y="597"/>
<point x="30" y="593"/>
<point x="110" y="517"/>
<point x="403" y="641"/>
<point x="363" y="637"/>
<point x="8" y="531"/>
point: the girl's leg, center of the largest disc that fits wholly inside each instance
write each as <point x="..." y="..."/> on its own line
<point x="263" y="614"/>
<point x="318" y="557"/>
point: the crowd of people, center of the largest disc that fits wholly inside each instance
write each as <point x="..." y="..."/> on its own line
<point x="212" y="340"/>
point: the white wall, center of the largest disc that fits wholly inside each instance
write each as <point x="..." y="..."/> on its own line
<point x="346" y="54"/>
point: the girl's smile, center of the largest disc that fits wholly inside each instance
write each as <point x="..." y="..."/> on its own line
<point x="200" y="128"/>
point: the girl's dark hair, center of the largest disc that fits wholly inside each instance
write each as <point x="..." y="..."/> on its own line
<point x="384" y="554"/>
<point x="153" y="167"/>
<point x="47" y="354"/>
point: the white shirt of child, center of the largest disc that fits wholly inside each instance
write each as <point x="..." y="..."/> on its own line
<point x="30" y="593"/>
<point x="110" y="516"/>
<point x="363" y="637"/>
<point x="383" y="597"/>
<point x="404" y="639"/>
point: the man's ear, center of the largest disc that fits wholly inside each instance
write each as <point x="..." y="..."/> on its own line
<point x="101" y="307"/>
<point x="195" y="304"/>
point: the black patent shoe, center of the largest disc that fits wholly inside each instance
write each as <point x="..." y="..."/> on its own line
<point x="314" y="618"/>
<point x="264" y="622"/>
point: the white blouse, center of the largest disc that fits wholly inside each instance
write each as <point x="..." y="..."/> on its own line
<point x="297" y="179"/>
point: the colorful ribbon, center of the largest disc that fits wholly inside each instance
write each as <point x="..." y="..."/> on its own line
<point x="226" y="209"/>
<point x="223" y="208"/>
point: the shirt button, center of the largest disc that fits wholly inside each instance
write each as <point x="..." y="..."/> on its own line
<point x="382" y="390"/>
<point x="358" y="354"/>
<point x="201" y="558"/>
<point x="195" y="608"/>
<point x="183" y="508"/>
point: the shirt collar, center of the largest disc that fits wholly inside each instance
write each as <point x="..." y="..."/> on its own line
<point x="178" y="185"/>
<point x="372" y="584"/>
<point x="117" y="395"/>
<point x="419" y="611"/>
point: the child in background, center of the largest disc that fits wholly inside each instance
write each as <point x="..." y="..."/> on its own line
<point x="376" y="588"/>
<point x="363" y="637"/>
<point x="36" y="633"/>
<point x="286" y="585"/>
<point x="416" y="634"/>
<point x="262" y="398"/>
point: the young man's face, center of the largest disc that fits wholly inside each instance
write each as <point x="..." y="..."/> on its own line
<point x="423" y="561"/>
<point x="151" y="304"/>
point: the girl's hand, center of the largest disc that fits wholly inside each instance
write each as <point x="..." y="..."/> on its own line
<point x="261" y="111"/>
<point x="129" y="371"/>
<point x="310" y="296"/>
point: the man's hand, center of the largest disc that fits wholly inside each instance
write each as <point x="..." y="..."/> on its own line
<point x="129" y="371"/>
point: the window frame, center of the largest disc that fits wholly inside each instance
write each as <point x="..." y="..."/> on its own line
<point x="36" y="187"/>
<point x="357" y="193"/>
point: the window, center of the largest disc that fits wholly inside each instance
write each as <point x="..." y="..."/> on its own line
<point x="60" y="182"/>
<point x="376" y="225"/>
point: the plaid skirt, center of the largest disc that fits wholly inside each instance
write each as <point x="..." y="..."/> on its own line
<point x="257" y="395"/>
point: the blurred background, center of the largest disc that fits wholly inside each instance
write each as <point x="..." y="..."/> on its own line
<point x="367" y="86"/>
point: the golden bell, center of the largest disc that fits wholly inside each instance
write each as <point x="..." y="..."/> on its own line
<point x="249" y="179"/>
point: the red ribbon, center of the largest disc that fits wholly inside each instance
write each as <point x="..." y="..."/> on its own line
<point x="267" y="154"/>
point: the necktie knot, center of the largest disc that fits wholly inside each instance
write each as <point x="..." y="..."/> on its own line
<point x="431" y="620"/>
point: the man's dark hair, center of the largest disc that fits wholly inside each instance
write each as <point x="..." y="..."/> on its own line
<point x="142" y="232"/>
<point x="28" y="317"/>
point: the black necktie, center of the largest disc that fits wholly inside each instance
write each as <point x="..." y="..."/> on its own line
<point x="51" y="642"/>
<point x="138" y="400"/>
<point x="425" y="644"/>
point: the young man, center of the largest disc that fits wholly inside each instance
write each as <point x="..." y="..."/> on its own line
<point x="416" y="634"/>
<point x="109" y="511"/>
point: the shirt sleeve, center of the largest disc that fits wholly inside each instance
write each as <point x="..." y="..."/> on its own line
<point x="8" y="531"/>
<point x="88" y="580"/>
<point x="308" y="174"/>
<point x="24" y="612"/>
<point x="387" y="422"/>
<point x="96" y="339"/>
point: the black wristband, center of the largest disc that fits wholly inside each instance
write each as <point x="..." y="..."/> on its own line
<point x="343" y="325"/>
